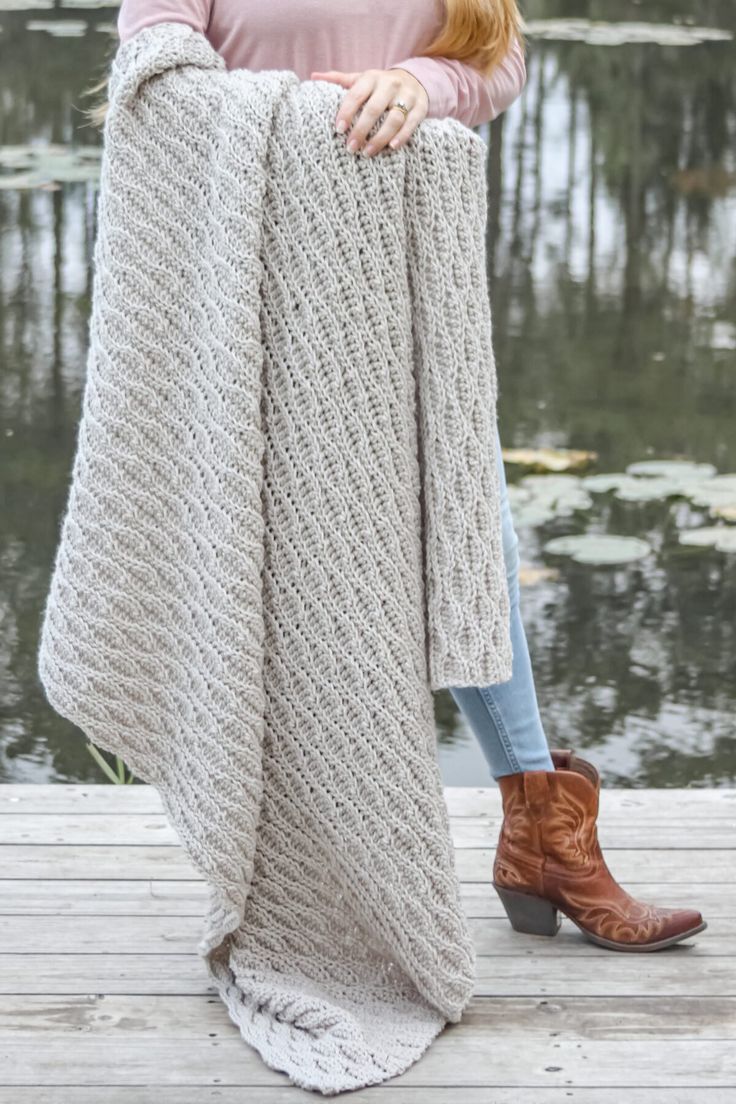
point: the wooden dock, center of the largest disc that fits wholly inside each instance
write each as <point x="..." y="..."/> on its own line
<point x="104" y="999"/>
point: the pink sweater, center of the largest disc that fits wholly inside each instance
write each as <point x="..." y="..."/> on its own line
<point x="351" y="35"/>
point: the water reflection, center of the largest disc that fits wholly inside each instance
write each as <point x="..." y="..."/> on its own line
<point x="612" y="196"/>
<point x="613" y="237"/>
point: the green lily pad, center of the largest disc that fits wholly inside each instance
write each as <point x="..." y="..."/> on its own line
<point x="725" y="482"/>
<point x="607" y="481"/>
<point x="25" y="5"/>
<point x="723" y="336"/>
<point x="649" y="490"/>
<point x="531" y="514"/>
<point x="544" y="482"/>
<point x="41" y="165"/>
<point x="566" y="503"/>
<point x="601" y="33"/>
<point x="532" y="575"/>
<point x="672" y="469"/>
<point x="549" y="459"/>
<point x="58" y="28"/>
<point x="727" y="512"/>
<point x="599" y="548"/>
<point x="713" y="492"/>
<point x="517" y="495"/>
<point x="547" y="497"/>
<point x="719" y="537"/>
<point x="727" y="542"/>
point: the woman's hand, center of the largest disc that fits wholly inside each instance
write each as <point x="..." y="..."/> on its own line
<point x="373" y="91"/>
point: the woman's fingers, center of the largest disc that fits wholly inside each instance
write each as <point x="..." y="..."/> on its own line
<point x="357" y="97"/>
<point x="337" y="76"/>
<point x="387" y="90"/>
<point x="395" y="131"/>
<point x="390" y="126"/>
<point x="369" y="95"/>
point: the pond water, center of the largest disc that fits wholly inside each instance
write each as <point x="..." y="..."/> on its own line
<point x="612" y="249"/>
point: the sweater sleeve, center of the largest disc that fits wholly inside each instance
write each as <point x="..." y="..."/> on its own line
<point x="458" y="89"/>
<point x="134" y="15"/>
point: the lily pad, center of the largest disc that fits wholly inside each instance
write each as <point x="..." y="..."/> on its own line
<point x="649" y="490"/>
<point x="724" y="482"/>
<point x="607" y="481"/>
<point x="517" y="495"/>
<point x="672" y="469"/>
<point x="599" y="548"/>
<point x="547" y="497"/>
<point x="602" y="33"/>
<point x="719" y="537"/>
<point x="531" y="576"/>
<point x="723" y="336"/>
<point x="46" y="164"/>
<point x="566" y="503"/>
<point x="58" y="28"/>
<point x="719" y="491"/>
<point x="549" y="459"/>
<point x="531" y="514"/>
<point x="727" y="512"/>
<point x="537" y="483"/>
<point x="25" y="5"/>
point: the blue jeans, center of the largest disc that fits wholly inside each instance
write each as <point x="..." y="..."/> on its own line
<point x="505" y="716"/>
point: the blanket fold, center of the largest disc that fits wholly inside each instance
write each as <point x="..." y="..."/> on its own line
<point x="283" y="532"/>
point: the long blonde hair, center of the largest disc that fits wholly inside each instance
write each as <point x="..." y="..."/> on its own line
<point x="479" y="32"/>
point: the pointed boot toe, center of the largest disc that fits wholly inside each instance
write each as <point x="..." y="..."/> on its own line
<point x="686" y="922"/>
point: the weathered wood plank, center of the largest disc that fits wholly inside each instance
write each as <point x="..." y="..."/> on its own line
<point x="461" y="1055"/>
<point x="570" y="974"/>
<point x="615" y="833"/>
<point x="619" y="975"/>
<point x="96" y="861"/>
<point x="685" y="867"/>
<point x="109" y="973"/>
<point x="630" y="865"/>
<point x="63" y="797"/>
<point x="81" y="830"/>
<point x="481" y="900"/>
<point x="390" y="1094"/>
<point x="151" y="829"/>
<point x="640" y="804"/>
<point x="145" y="935"/>
<point x="57" y="897"/>
<point x="470" y="801"/>
<point x="197" y="1017"/>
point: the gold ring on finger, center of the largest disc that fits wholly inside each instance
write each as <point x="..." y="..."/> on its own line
<point x="401" y="106"/>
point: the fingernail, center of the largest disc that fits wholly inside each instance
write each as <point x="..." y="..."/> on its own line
<point x="341" y="127"/>
<point x="353" y="144"/>
<point x="367" y="151"/>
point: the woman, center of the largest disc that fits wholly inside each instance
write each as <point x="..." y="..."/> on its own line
<point x="459" y="58"/>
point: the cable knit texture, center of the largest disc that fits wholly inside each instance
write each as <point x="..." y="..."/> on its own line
<point x="283" y="531"/>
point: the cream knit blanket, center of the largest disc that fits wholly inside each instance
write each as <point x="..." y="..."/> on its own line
<point x="283" y="532"/>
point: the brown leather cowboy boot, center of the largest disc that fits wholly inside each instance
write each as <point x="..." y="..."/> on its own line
<point x="549" y="858"/>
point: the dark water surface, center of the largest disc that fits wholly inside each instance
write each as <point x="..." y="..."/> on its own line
<point x="612" y="245"/>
